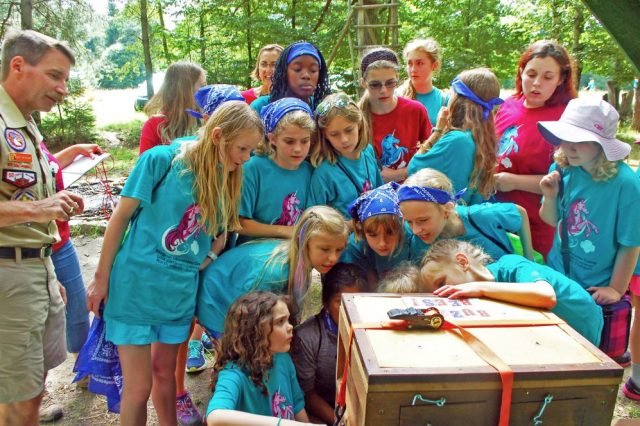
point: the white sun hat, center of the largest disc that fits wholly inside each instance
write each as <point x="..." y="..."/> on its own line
<point x="587" y="120"/>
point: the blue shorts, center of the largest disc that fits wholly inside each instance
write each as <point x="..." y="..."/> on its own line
<point x="120" y="333"/>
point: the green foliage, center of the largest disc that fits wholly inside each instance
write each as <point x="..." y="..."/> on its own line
<point x="123" y="159"/>
<point x="128" y="133"/>
<point x="73" y="122"/>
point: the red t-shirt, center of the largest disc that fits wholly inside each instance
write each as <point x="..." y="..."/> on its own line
<point x="523" y="151"/>
<point x="249" y="95"/>
<point x="63" y="225"/>
<point x="150" y="134"/>
<point x="396" y="135"/>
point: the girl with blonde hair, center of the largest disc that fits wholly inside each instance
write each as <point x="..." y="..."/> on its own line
<point x="263" y="72"/>
<point x="345" y="162"/>
<point x="176" y="199"/>
<point x="396" y="124"/>
<point x="276" y="185"/>
<point x="319" y="237"/>
<point x="167" y="108"/>
<point x="424" y="58"/>
<point x="431" y="210"/>
<point x="463" y="145"/>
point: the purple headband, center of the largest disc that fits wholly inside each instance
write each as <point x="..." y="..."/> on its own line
<point x="273" y="112"/>
<point x="210" y="97"/>
<point x="381" y="200"/>
<point x="377" y="55"/>
<point x="463" y="90"/>
<point x="302" y="48"/>
<point x="425" y="193"/>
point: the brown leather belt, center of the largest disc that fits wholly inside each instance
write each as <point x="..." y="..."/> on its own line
<point x="26" y="253"/>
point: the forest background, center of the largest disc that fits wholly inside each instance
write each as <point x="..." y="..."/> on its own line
<point x="135" y="38"/>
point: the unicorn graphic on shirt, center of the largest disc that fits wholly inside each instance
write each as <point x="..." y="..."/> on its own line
<point x="392" y="152"/>
<point x="508" y="145"/>
<point x="290" y="211"/>
<point x="175" y="238"/>
<point x="280" y="408"/>
<point x="366" y="186"/>
<point x="578" y="222"/>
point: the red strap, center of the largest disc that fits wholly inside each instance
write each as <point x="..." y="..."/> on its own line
<point x="482" y="350"/>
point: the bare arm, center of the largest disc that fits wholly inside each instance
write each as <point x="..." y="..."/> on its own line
<point x="253" y="228"/>
<point x="393" y="175"/>
<point x="99" y="285"/>
<point x="537" y="294"/>
<point x="525" y="234"/>
<point x="506" y="182"/>
<point x="550" y="186"/>
<point x="56" y="207"/>
<point x="625" y="263"/>
<point x="436" y="132"/>
<point x="217" y="246"/>
<point x="67" y="155"/>
<point x="318" y="407"/>
<point x="240" y="418"/>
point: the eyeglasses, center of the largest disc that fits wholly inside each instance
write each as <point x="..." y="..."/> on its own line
<point x="377" y="85"/>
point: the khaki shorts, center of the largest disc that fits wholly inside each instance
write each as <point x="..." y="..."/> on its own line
<point x="32" y="327"/>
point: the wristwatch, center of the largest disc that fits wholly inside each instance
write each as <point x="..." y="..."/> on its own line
<point x="211" y="255"/>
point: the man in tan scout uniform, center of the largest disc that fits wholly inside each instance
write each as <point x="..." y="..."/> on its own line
<point x="35" y="69"/>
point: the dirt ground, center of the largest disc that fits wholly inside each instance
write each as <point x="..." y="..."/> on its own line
<point x="84" y="408"/>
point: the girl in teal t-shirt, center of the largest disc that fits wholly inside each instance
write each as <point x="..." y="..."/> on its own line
<point x="276" y="181"/>
<point x="176" y="199"/>
<point x="319" y="238"/>
<point x="430" y="208"/>
<point x="458" y="269"/>
<point x="345" y="164"/>
<point x="254" y="376"/>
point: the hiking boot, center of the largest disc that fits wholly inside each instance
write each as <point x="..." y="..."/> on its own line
<point x="623" y="360"/>
<point x="186" y="412"/>
<point x="630" y="390"/>
<point x="49" y="410"/>
<point x="195" y="357"/>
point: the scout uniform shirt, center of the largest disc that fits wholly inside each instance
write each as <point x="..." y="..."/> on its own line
<point x="25" y="173"/>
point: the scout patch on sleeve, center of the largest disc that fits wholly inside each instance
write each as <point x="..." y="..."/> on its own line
<point x="15" y="140"/>
<point x="24" y="195"/>
<point x="20" y="157"/>
<point x="19" y="178"/>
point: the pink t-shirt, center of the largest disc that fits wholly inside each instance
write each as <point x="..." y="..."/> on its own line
<point x="63" y="225"/>
<point x="150" y="134"/>
<point x="396" y="135"/>
<point x="523" y="151"/>
<point x="249" y="95"/>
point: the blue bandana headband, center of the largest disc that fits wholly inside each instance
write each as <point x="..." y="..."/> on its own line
<point x="210" y="97"/>
<point x="425" y="193"/>
<point x="463" y="90"/>
<point x="381" y="200"/>
<point x="302" y="48"/>
<point x="273" y="112"/>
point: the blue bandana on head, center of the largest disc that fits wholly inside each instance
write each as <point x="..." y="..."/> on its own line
<point x="210" y="97"/>
<point x="381" y="200"/>
<point x="425" y="193"/>
<point x="303" y="48"/>
<point x="273" y="112"/>
<point x="463" y="90"/>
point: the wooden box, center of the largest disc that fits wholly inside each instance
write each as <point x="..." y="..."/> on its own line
<point x="395" y="377"/>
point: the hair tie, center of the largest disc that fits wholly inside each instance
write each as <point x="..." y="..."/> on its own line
<point x="463" y="90"/>
<point x="377" y="55"/>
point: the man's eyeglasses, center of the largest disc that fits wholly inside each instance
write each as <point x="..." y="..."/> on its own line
<point x="377" y="85"/>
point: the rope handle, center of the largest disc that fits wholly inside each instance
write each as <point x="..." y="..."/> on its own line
<point x="437" y="402"/>
<point x="537" y="421"/>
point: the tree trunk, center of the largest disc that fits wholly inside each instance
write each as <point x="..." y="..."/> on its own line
<point x="293" y="14"/>
<point x="556" y="26"/>
<point x="578" y="48"/>
<point x="148" y="65"/>
<point x="612" y="93"/>
<point x="247" y="6"/>
<point x="625" y="105"/>
<point x="26" y="14"/>
<point x="165" y="45"/>
<point x="635" y="121"/>
<point x="202" y="32"/>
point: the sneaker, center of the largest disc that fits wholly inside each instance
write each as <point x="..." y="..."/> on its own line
<point x="630" y="390"/>
<point x="623" y="360"/>
<point x="186" y="412"/>
<point x="207" y="343"/>
<point x="195" y="357"/>
<point x="49" y="410"/>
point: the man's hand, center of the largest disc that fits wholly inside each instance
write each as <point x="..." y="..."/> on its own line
<point x="60" y="206"/>
<point x="63" y="293"/>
